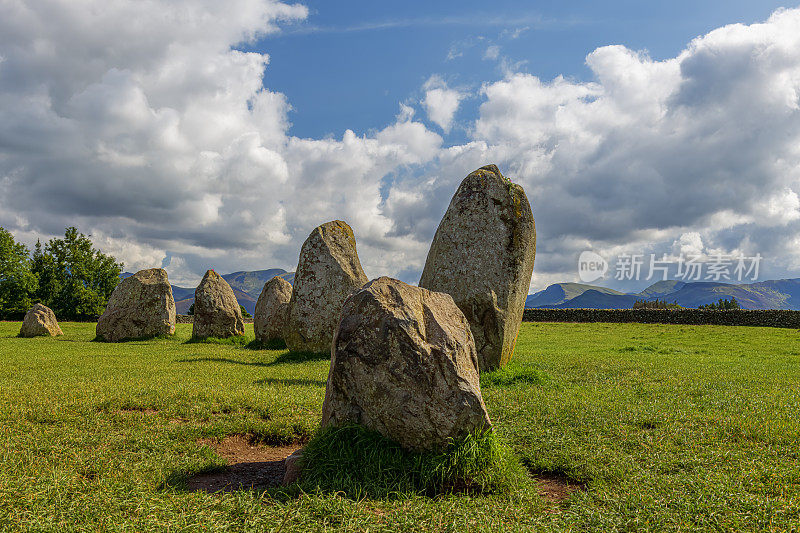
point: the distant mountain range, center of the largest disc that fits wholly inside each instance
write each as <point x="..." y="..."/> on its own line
<point x="246" y="286"/>
<point x="773" y="294"/>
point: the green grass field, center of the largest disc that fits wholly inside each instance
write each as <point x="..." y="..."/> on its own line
<point x="665" y="428"/>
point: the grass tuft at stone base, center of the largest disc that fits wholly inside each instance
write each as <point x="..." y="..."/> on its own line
<point x="358" y="462"/>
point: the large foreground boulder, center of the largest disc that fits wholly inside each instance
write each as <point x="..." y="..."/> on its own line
<point x="40" y="321"/>
<point x="140" y="306"/>
<point x="216" y="310"/>
<point x="272" y="310"/>
<point x="482" y="255"/>
<point x="404" y="364"/>
<point x="327" y="273"/>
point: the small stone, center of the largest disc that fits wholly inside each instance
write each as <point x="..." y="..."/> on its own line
<point x="40" y="321"/>
<point x="216" y="310"/>
<point x="404" y="365"/>
<point x="482" y="255"/>
<point x="272" y="310"/>
<point x="140" y="306"/>
<point x="327" y="273"/>
<point x="292" y="468"/>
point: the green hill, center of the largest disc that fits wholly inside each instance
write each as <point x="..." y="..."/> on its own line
<point x="251" y="282"/>
<point x="246" y="286"/>
<point x="660" y="289"/>
<point x="562" y="292"/>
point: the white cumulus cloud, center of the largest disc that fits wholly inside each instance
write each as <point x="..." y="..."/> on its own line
<point x="706" y="142"/>
<point x="441" y="102"/>
<point x="142" y="124"/>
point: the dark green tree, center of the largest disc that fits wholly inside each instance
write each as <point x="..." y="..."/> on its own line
<point x="733" y="304"/>
<point x="76" y="280"/>
<point x="722" y="305"/>
<point x="655" y="304"/>
<point x="245" y="314"/>
<point x="17" y="282"/>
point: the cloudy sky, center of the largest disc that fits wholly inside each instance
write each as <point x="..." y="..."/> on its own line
<point x="207" y="134"/>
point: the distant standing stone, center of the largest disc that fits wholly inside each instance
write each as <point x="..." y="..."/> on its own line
<point x="327" y="273"/>
<point x="40" y="321"/>
<point x="404" y="365"/>
<point x="140" y="306"/>
<point x="216" y="310"/>
<point x="482" y="255"/>
<point x="272" y="310"/>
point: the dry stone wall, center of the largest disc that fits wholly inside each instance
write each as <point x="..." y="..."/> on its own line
<point x="739" y="317"/>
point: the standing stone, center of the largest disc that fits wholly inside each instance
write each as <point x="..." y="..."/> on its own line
<point x="482" y="255"/>
<point x="327" y="273"/>
<point x="140" y="306"/>
<point x="404" y="364"/>
<point x="40" y="321"/>
<point x="216" y="310"/>
<point x="272" y="310"/>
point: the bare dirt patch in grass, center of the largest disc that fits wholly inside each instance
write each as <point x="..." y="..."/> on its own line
<point x="250" y="465"/>
<point x="556" y="489"/>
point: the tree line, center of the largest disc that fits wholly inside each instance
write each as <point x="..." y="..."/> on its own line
<point x="67" y="275"/>
<point x="655" y="304"/>
<point x="722" y="305"/>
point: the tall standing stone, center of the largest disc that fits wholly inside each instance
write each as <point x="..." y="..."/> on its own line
<point x="40" y="321"/>
<point x="216" y="310"/>
<point x="482" y="255"/>
<point x="404" y="365"/>
<point x="140" y="306"/>
<point x="272" y="310"/>
<point x="327" y="273"/>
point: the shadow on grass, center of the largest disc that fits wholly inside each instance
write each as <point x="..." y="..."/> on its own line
<point x="257" y="477"/>
<point x="286" y="358"/>
<point x="100" y="338"/>
<point x="290" y="381"/>
<point x="564" y="474"/>
<point x="299" y="357"/>
<point x="220" y="360"/>
<point x="256" y="344"/>
<point x="553" y="484"/>
<point x="255" y="461"/>
<point x="236" y="340"/>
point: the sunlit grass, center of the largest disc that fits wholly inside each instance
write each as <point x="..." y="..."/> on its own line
<point x="669" y="428"/>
